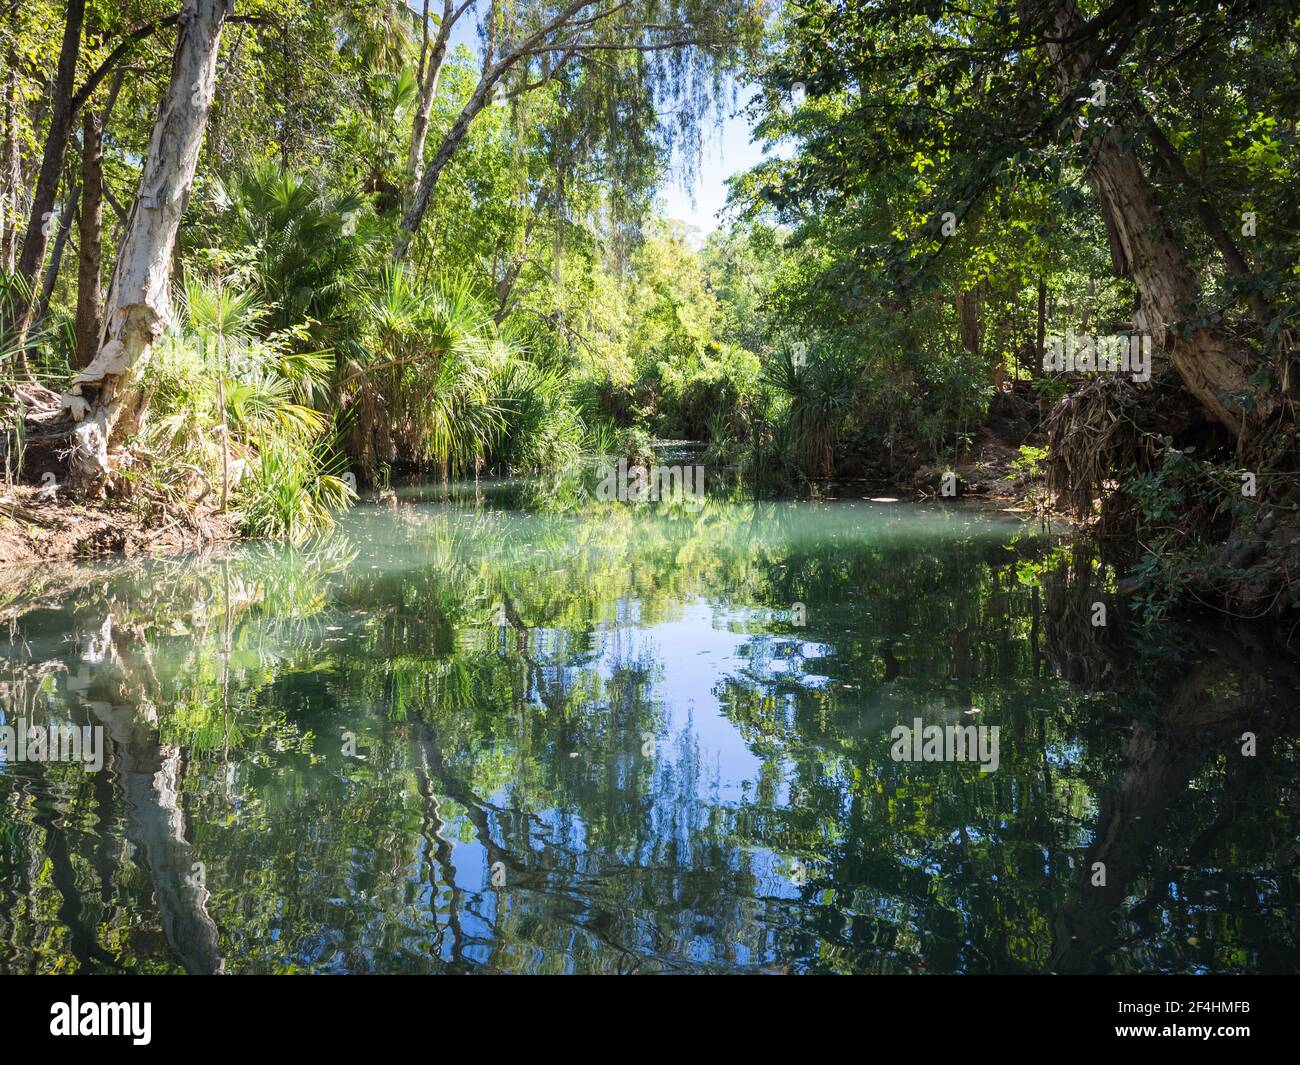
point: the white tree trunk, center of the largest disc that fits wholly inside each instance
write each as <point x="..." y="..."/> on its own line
<point x="428" y="90"/>
<point x="493" y="72"/>
<point x="106" y="397"/>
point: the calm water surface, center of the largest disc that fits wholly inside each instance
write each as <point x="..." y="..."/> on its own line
<point x="461" y="736"/>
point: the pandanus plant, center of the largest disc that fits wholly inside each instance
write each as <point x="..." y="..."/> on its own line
<point x="419" y="389"/>
<point x="817" y="391"/>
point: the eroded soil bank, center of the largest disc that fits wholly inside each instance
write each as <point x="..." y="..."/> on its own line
<point x="37" y="525"/>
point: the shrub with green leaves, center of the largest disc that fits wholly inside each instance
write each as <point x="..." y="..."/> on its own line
<point x="225" y="412"/>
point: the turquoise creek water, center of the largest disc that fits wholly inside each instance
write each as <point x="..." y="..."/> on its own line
<point x="464" y="735"/>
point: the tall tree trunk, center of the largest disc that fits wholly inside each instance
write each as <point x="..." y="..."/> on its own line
<point x="430" y="71"/>
<point x="66" y="214"/>
<point x="494" y="69"/>
<point x="969" y="332"/>
<point x="36" y="239"/>
<point x="424" y="190"/>
<point x="90" y="231"/>
<point x="1040" y="331"/>
<point x="1175" y="168"/>
<point x="106" y="397"/>
<point x="1214" y="365"/>
<point x="967" y="302"/>
<point x="10" y="169"/>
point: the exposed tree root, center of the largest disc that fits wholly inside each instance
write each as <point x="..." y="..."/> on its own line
<point x="47" y="514"/>
<point x="1227" y="534"/>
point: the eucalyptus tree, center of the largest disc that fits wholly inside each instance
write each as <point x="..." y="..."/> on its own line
<point x="672" y="56"/>
<point x="106" y="398"/>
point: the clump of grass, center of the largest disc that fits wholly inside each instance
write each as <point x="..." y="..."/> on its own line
<point x="289" y="494"/>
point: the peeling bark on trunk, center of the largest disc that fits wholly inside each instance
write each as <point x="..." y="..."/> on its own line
<point x="1214" y="366"/>
<point x="106" y="397"/>
<point x="1232" y="255"/>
